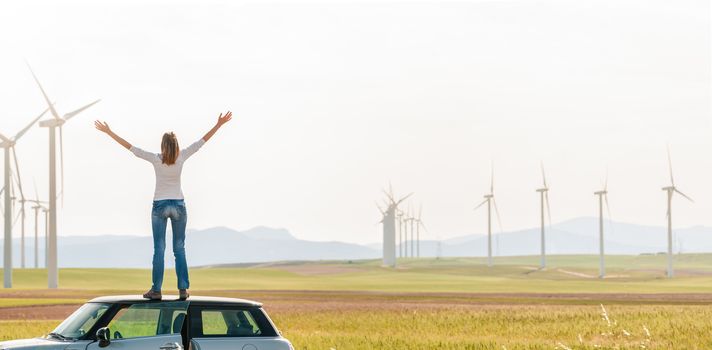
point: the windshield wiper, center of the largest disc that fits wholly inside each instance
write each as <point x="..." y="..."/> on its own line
<point x="59" y="336"/>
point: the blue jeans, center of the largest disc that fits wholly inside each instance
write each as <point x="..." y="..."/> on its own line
<point x="163" y="210"/>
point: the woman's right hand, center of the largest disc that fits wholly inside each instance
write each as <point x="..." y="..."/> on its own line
<point x="222" y="119"/>
<point x="102" y="126"/>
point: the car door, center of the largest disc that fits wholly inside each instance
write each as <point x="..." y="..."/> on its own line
<point x="232" y="327"/>
<point x="146" y="326"/>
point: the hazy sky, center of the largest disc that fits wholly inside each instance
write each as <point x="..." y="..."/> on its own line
<point x="334" y="99"/>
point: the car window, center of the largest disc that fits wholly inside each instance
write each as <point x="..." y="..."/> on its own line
<point x="147" y="319"/>
<point x="232" y="323"/>
<point x="82" y="320"/>
<point x="211" y="321"/>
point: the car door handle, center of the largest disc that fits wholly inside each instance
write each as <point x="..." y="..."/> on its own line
<point x="171" y="346"/>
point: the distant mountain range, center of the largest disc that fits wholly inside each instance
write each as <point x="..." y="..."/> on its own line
<point x="221" y="245"/>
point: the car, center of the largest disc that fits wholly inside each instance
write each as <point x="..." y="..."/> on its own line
<point x="133" y="323"/>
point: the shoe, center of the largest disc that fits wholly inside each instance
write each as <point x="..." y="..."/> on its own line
<point x="152" y="295"/>
<point x="183" y="294"/>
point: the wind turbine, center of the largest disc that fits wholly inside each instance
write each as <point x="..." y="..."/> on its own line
<point x="36" y="208"/>
<point x="52" y="125"/>
<point x="389" y="227"/>
<point x="490" y="201"/>
<point x="671" y="190"/>
<point x="46" y="240"/>
<point x="400" y="233"/>
<point x="411" y="219"/>
<point x="21" y="215"/>
<point x="419" y="224"/>
<point x="408" y="222"/>
<point x="544" y="199"/>
<point x="8" y="145"/>
<point x="602" y="197"/>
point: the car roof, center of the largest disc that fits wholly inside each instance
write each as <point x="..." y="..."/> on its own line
<point x="135" y="299"/>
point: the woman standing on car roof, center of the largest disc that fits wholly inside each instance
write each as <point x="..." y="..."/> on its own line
<point x="168" y="201"/>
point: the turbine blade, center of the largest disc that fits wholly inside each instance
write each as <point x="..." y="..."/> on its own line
<point x="71" y="115"/>
<point x="44" y="94"/>
<point x="2" y="137"/>
<point x="684" y="195"/>
<point x="23" y="131"/>
<point x="667" y="213"/>
<point x="481" y="204"/>
<point x="19" y="178"/>
<point x="496" y="211"/>
<point x="608" y="208"/>
<point x="380" y="209"/>
<point x="492" y="178"/>
<point x="672" y="180"/>
<point x="404" y="198"/>
<point x="14" y="222"/>
<point x="390" y="197"/>
<point x="37" y="194"/>
<point x="423" y="226"/>
<point x="543" y="175"/>
<point x="605" y="184"/>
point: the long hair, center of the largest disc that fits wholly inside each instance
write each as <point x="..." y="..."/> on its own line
<point x="169" y="148"/>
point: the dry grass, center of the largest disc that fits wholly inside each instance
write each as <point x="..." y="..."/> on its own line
<point x="382" y="323"/>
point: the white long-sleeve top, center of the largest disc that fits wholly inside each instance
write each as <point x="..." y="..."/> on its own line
<point x="168" y="176"/>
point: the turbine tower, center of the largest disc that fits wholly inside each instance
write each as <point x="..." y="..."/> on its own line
<point x="389" y="228"/>
<point x="8" y="145"/>
<point x="52" y="125"/>
<point x="602" y="197"/>
<point x="544" y="200"/>
<point x="490" y="201"/>
<point x="671" y="190"/>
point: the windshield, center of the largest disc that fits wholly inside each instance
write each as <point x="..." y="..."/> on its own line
<point x="81" y="321"/>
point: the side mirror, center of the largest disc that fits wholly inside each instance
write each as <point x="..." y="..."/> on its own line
<point x="103" y="335"/>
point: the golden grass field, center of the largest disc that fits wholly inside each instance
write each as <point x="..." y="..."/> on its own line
<point x="459" y="305"/>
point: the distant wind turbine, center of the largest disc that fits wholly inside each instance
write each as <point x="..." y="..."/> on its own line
<point x="389" y="227"/>
<point x="490" y="201"/>
<point x="602" y="197"/>
<point x="400" y="233"/>
<point x="37" y="207"/>
<point x="671" y="190"/>
<point x="8" y="145"/>
<point x="419" y="224"/>
<point x="52" y="125"/>
<point x="544" y="200"/>
<point x="412" y="219"/>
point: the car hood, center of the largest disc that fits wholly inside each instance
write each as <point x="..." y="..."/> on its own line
<point x="36" y="343"/>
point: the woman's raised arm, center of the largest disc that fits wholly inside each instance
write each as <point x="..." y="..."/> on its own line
<point x="104" y="127"/>
<point x="222" y="119"/>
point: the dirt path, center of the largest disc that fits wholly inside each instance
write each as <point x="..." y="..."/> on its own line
<point x="53" y="312"/>
<point x="276" y="301"/>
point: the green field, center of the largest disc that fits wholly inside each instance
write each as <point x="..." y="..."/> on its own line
<point x="565" y="274"/>
<point x="453" y="303"/>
